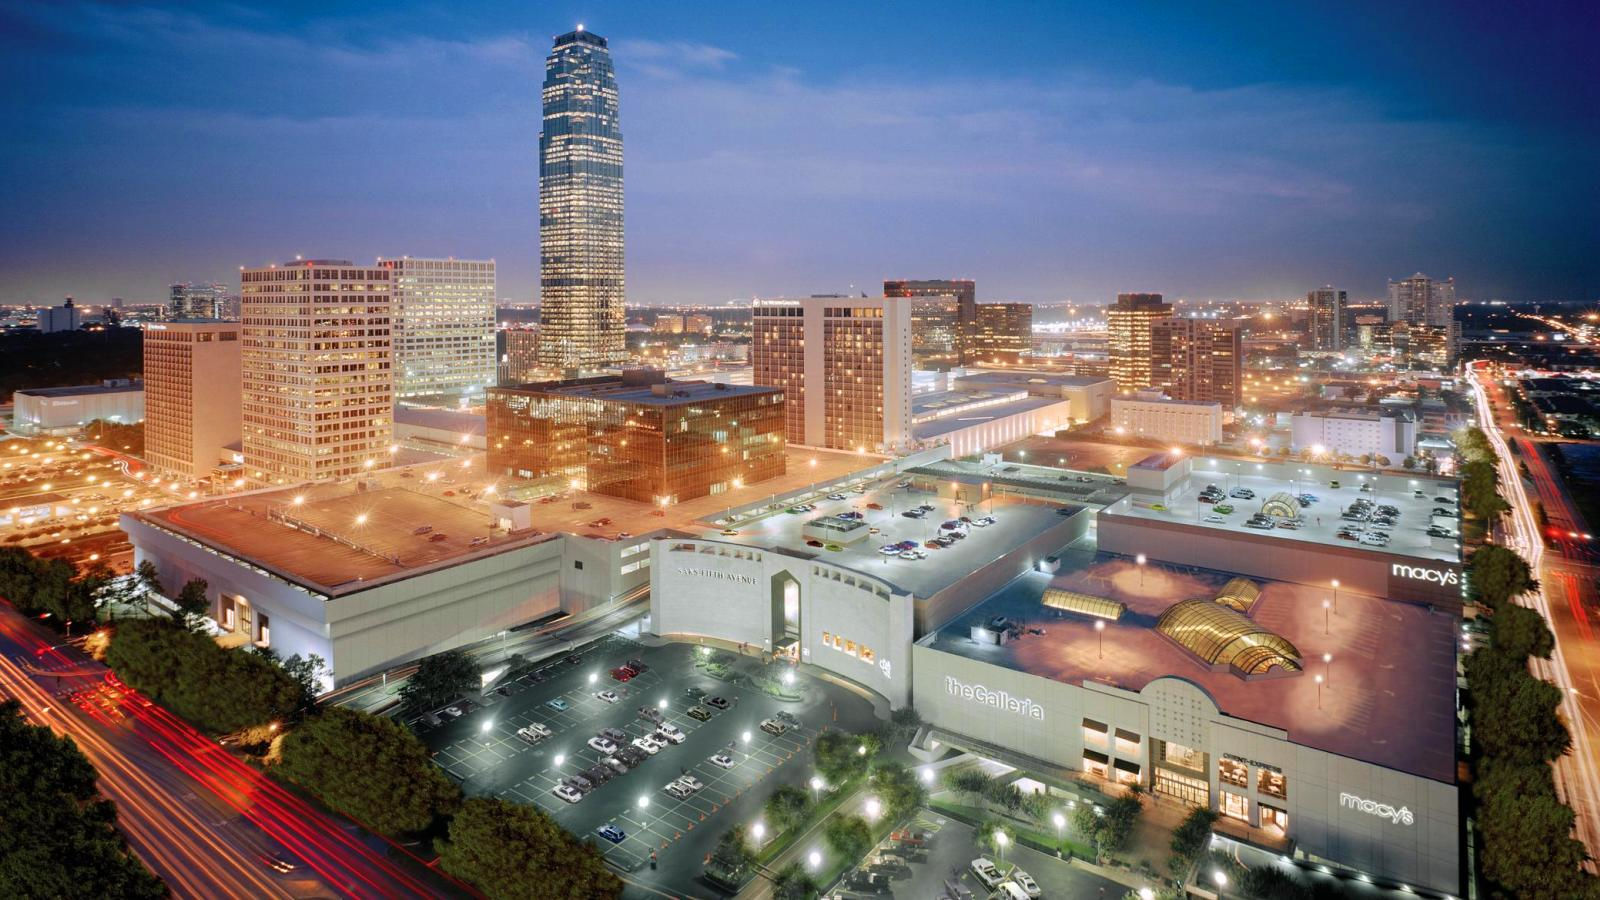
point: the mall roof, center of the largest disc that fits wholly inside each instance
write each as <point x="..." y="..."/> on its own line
<point x="439" y="419"/>
<point x="85" y="390"/>
<point x="1006" y="377"/>
<point x="929" y="430"/>
<point x="1389" y="691"/>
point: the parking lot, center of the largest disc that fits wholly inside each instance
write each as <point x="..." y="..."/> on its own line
<point x="481" y="750"/>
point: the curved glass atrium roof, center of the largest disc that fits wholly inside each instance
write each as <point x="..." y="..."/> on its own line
<point x="1282" y="504"/>
<point x="1239" y="594"/>
<point x="1220" y="636"/>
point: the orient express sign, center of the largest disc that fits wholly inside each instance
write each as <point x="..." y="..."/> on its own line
<point x="718" y="576"/>
<point x="1401" y="816"/>
<point x="977" y="693"/>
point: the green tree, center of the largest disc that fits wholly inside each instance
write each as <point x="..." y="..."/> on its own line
<point x="1515" y="713"/>
<point x="898" y="788"/>
<point x="1496" y="574"/>
<point x="987" y="835"/>
<point x="968" y="782"/>
<point x="370" y="768"/>
<point x="438" y="680"/>
<point x="149" y="578"/>
<point x="60" y="836"/>
<point x="218" y="690"/>
<point x="848" y="836"/>
<point x="1271" y="883"/>
<point x="793" y="883"/>
<point x="1190" y="837"/>
<point x="841" y="756"/>
<point x="1122" y="814"/>
<point x="192" y="603"/>
<point x="1480" y="489"/>
<point x="787" y="807"/>
<point x="1085" y="823"/>
<point x="903" y="725"/>
<point x="1527" y="834"/>
<point x="516" y="852"/>
<point x="1521" y="632"/>
<point x="1004" y="794"/>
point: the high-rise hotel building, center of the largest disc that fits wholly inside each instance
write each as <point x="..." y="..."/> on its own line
<point x="191" y="394"/>
<point x="1420" y="300"/>
<point x="581" y="319"/>
<point x="443" y="325"/>
<point x="1128" y="326"/>
<point x="844" y="364"/>
<point x="318" y="382"/>
<point x="1326" y="308"/>
<point x="1197" y="360"/>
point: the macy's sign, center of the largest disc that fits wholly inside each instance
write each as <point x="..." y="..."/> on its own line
<point x="1422" y="573"/>
<point x="1401" y="816"/>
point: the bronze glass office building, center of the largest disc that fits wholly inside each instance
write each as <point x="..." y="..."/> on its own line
<point x="636" y="436"/>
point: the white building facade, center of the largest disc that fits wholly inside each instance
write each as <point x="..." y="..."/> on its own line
<point x="444" y="324"/>
<point x="1393" y="437"/>
<point x="1174" y="421"/>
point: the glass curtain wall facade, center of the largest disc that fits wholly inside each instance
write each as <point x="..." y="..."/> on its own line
<point x="1128" y="324"/>
<point x="965" y="292"/>
<point x="1002" y="332"/>
<point x="936" y="332"/>
<point x="443" y="325"/>
<point x="581" y="318"/>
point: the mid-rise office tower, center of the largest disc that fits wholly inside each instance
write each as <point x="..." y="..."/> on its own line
<point x="191" y="394"/>
<point x="318" y="383"/>
<point x="1419" y="300"/>
<point x="1326" y="319"/>
<point x="1002" y="330"/>
<point x="965" y="293"/>
<point x="198" y="300"/>
<point x="1128" y="324"/>
<point x="844" y="364"/>
<point x="1197" y="360"/>
<point x="581" y="322"/>
<point x="443" y="325"/>
<point x="518" y="353"/>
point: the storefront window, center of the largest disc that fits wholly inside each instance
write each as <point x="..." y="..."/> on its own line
<point x="1095" y="763"/>
<point x="1235" y="806"/>
<point x="1234" y="773"/>
<point x="1183" y="757"/>
<point x="1094" y="733"/>
<point x="1125" y="772"/>
<point x="1273" y="784"/>
<point x="1127" y="743"/>
<point x="1274" y="820"/>
<point x="1193" y="791"/>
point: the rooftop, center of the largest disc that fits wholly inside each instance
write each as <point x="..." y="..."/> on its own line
<point x="1389" y="696"/>
<point x="85" y="390"/>
<point x="649" y="389"/>
<point x="440" y="419"/>
<point x="958" y="419"/>
<point x="1020" y="377"/>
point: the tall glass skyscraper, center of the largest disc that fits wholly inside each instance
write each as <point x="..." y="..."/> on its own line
<point x="581" y="323"/>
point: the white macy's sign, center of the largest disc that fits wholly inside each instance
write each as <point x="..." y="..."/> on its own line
<point x="1420" y="573"/>
<point x="977" y="693"/>
<point x="1401" y="816"/>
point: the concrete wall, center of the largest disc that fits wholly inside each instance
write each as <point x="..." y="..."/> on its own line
<point x="33" y="414"/>
<point x="1043" y="718"/>
<point x="945" y="605"/>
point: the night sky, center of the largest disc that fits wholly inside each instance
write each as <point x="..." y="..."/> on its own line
<point x="1051" y="151"/>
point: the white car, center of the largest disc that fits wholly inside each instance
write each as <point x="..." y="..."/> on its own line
<point x="602" y="745"/>
<point x="529" y="735"/>
<point x="984" y="522"/>
<point x="1213" y="519"/>
<point x="987" y="873"/>
<point x="669" y="732"/>
<point x="567" y="794"/>
<point x="723" y="760"/>
<point x="835" y="496"/>
<point x="607" y="696"/>
<point x="690" y="782"/>
<point x="678" y="790"/>
<point x="1009" y="890"/>
<point x="1025" y="881"/>
<point x="910" y="554"/>
<point x="647" y="745"/>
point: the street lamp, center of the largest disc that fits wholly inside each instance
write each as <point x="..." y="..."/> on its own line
<point x="1336" y="595"/>
<point x="1060" y="822"/>
<point x="757" y="831"/>
<point x="874" y="808"/>
<point x="1146" y="894"/>
<point x="1100" y="628"/>
<point x="1141" y="561"/>
<point x="1000" y="840"/>
<point x="1325" y="606"/>
<point x="816" y="786"/>
<point x="560" y="758"/>
<point x="1318" y="680"/>
<point x="644" y="804"/>
<point x="593" y="677"/>
<point x="1220" y="879"/>
<point x="1327" y="668"/>
<point x="813" y="859"/>
<point x="927" y="775"/>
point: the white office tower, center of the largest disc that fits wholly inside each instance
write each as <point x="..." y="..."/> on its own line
<point x="1419" y="300"/>
<point x="443" y="325"/>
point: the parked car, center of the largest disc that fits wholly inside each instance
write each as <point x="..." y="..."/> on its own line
<point x="571" y="795"/>
<point x="607" y="696"/>
<point x="611" y="833"/>
<point x="773" y="727"/>
<point x="647" y="745"/>
<point x="718" y="702"/>
<point x="986" y="873"/>
<point x="1025" y="881"/>
<point x="1213" y="519"/>
<point x="650" y="714"/>
<point x="677" y="790"/>
<point x="671" y="733"/>
<point x="723" y="760"/>
<point x="690" y="782"/>
<point x="835" y="496"/>
<point x="615" y="735"/>
<point x="1240" y="493"/>
<point x="699" y="712"/>
<point x="1223" y="509"/>
<point x="622" y="673"/>
<point x="558" y="704"/>
<point x="601" y="745"/>
<point x="913" y="514"/>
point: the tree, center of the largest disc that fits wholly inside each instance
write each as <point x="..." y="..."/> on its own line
<point x="1409" y="463"/>
<point x="307" y="671"/>
<point x="1527" y="833"/>
<point x="370" y="768"/>
<point x="1190" y="837"/>
<point x="793" y="883"/>
<point x="1122" y="814"/>
<point x="787" y="807"/>
<point x="1521" y="632"/>
<point x="193" y="604"/>
<point x="149" y="578"/>
<point x="898" y="788"/>
<point x="1272" y="883"/>
<point x="1004" y="794"/>
<point x="1496" y="574"/>
<point x="987" y="835"/>
<point x="1480" y="489"/>
<point x="508" y="850"/>
<point x="438" y="680"/>
<point x="903" y="725"/>
<point x="61" y="837"/>
<point x="971" y="783"/>
<point x="848" y="836"/>
<point x="841" y="756"/>
<point x="1085" y="823"/>
<point x="1515" y="718"/>
<point x="219" y="690"/>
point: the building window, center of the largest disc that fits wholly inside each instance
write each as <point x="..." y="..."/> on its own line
<point x="1193" y="791"/>
<point x="1127" y="743"/>
<point x="1234" y="773"/>
<point x="1179" y="756"/>
<point x="1095" y="732"/>
<point x="1273" y="784"/>
<point x="577" y="564"/>
<point x="1235" y="806"/>
<point x="1274" y="820"/>
<point x="1094" y="763"/>
<point x="1125" y="772"/>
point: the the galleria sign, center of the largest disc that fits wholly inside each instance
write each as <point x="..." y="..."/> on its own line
<point x="720" y="576"/>
<point x="977" y="693"/>
<point x="1420" y="573"/>
<point x="1401" y="816"/>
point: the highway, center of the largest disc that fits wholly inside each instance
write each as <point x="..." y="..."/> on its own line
<point x="1574" y="666"/>
<point x="205" y="822"/>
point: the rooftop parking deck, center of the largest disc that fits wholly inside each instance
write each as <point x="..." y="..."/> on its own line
<point x="1389" y="691"/>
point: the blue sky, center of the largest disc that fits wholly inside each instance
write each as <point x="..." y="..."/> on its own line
<point x="1049" y="150"/>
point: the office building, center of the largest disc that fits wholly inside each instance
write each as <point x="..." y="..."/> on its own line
<point x="63" y="410"/>
<point x="844" y="364"/>
<point x="965" y="293"/>
<point x="1169" y="421"/>
<point x="1001" y="331"/>
<point x="1128" y="324"/>
<point x="580" y="209"/>
<point x="443" y="325"/>
<point x="192" y="378"/>
<point x="1419" y="300"/>
<point x="318" y="379"/>
<point x="935" y="332"/>
<point x="198" y="300"/>
<point x="637" y="436"/>
<point x="66" y="317"/>
<point x="517" y="349"/>
<point x="1391" y="435"/>
<point x="1326" y="322"/>
<point x="1198" y="360"/>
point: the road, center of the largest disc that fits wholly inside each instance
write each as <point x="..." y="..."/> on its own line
<point x="205" y="822"/>
<point x="1575" y="664"/>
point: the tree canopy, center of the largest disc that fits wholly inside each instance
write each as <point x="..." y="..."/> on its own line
<point x="512" y="851"/>
<point x="219" y="690"/>
<point x="841" y="756"/>
<point x="848" y="836"/>
<point x="1497" y="574"/>
<point x="438" y="680"/>
<point x="787" y="807"/>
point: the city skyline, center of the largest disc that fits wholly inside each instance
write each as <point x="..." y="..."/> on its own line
<point x="1112" y="170"/>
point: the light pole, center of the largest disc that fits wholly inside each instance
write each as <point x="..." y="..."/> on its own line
<point x="1336" y="595"/>
<point x="1325" y="606"/>
<point x="816" y="787"/>
<point x="758" y="830"/>
<point x="644" y="804"/>
<point x="1059" y="820"/>
<point x="1327" y="669"/>
<point x="1141" y="561"/>
<point x="1000" y="840"/>
<point x="1100" y="628"/>
<point x="1318" y="680"/>
<point x="1221" y="880"/>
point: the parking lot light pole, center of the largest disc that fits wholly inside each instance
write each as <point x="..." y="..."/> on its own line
<point x="1336" y="595"/>
<point x="1327" y="669"/>
<point x="1325" y="606"/>
<point x="1318" y="680"/>
<point x="1000" y="840"/>
<point x="644" y="804"/>
<point x="1059" y="820"/>
<point x="1140" y="559"/>
<point x="1100" y="628"/>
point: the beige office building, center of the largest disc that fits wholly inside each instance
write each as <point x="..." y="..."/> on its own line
<point x="1128" y="324"/>
<point x="192" y="376"/>
<point x="443" y="325"/>
<point x="844" y="364"/>
<point x="318" y="383"/>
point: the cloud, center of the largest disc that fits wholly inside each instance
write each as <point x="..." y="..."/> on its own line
<point x="682" y="54"/>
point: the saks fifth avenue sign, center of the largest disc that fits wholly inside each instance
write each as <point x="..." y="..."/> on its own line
<point x="1401" y="816"/>
<point x="977" y="693"/>
<point x="717" y="576"/>
<point x="1422" y="573"/>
